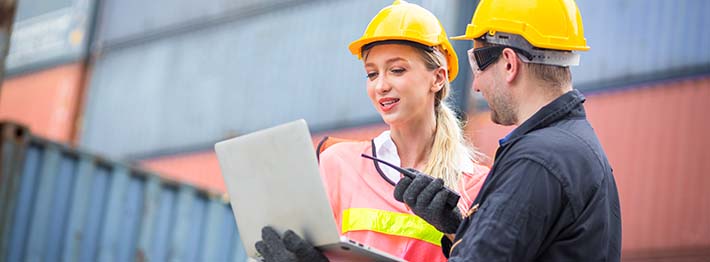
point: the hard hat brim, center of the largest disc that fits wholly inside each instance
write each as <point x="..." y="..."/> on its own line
<point x="356" y="46"/>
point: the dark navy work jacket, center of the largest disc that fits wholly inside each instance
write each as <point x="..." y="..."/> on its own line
<point x="550" y="195"/>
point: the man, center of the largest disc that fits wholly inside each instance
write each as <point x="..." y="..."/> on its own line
<point x="550" y="194"/>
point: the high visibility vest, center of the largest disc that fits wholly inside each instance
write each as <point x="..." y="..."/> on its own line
<point x="365" y="209"/>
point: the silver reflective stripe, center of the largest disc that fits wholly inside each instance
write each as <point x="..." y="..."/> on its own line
<point x="552" y="58"/>
<point x="539" y="56"/>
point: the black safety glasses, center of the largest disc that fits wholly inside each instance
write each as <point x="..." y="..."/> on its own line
<point x="481" y="58"/>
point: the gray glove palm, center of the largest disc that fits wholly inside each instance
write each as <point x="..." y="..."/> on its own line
<point x="427" y="197"/>
<point x="291" y="248"/>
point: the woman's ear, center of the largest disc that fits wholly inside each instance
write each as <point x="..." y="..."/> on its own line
<point x="440" y="76"/>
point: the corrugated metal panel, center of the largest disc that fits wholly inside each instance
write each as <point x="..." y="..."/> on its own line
<point x="46" y="101"/>
<point x="12" y="154"/>
<point x="201" y="86"/>
<point x="150" y="17"/>
<point x="61" y="203"/>
<point x="655" y="137"/>
<point x="640" y="38"/>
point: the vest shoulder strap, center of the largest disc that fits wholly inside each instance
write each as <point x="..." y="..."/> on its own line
<point x="328" y="141"/>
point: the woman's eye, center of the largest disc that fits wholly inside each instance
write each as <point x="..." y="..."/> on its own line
<point x="397" y="70"/>
<point x="371" y="75"/>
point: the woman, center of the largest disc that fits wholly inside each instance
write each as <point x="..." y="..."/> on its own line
<point x="409" y="64"/>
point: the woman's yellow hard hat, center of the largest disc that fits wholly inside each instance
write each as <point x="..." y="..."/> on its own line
<point x="408" y="22"/>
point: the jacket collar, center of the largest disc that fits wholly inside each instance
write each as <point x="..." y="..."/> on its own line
<point x="567" y="105"/>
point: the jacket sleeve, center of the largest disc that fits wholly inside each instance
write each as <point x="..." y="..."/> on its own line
<point x="515" y="217"/>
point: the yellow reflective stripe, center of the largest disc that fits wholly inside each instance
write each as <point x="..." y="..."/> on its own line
<point x="390" y="223"/>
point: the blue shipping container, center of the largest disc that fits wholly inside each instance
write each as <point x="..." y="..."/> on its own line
<point x="58" y="203"/>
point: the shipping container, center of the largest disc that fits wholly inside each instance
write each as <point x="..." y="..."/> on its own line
<point x="637" y="40"/>
<point x="247" y="72"/>
<point x="46" y="101"/>
<point x="656" y="138"/>
<point x="184" y="79"/>
<point x="148" y="19"/>
<point x="62" y="204"/>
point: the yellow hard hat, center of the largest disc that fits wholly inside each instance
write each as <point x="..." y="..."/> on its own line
<point x="408" y="22"/>
<point x="550" y="24"/>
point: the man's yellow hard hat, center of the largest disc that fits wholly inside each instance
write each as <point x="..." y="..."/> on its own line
<point x="549" y="24"/>
<point x="408" y="22"/>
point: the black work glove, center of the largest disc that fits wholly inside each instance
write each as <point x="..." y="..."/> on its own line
<point x="427" y="197"/>
<point x="291" y="248"/>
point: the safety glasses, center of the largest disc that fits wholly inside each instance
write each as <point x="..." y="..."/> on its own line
<point x="481" y="58"/>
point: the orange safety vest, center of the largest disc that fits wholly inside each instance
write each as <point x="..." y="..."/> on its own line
<point x="366" y="211"/>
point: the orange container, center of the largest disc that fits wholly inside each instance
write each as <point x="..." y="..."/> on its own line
<point x="656" y="139"/>
<point x="46" y="101"/>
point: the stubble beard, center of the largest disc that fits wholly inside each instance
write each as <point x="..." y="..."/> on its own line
<point x="502" y="108"/>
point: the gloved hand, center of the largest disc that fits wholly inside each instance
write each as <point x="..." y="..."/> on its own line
<point x="291" y="248"/>
<point x="426" y="197"/>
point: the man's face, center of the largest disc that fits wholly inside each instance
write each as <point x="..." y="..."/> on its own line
<point x="491" y="84"/>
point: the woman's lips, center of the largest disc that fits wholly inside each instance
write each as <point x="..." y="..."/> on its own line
<point x="386" y="104"/>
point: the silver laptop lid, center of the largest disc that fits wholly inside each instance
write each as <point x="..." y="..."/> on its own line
<point x="272" y="178"/>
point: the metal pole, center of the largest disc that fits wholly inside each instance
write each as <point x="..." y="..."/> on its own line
<point x="7" y="15"/>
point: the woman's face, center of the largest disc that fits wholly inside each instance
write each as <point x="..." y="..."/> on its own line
<point x="399" y="85"/>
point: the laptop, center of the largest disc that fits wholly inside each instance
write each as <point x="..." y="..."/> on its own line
<point x="273" y="180"/>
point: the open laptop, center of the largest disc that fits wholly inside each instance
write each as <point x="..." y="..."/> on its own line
<point x="272" y="178"/>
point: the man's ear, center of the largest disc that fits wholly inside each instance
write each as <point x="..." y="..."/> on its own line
<point x="440" y="78"/>
<point x="512" y="64"/>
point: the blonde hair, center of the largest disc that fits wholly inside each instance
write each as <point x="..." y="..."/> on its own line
<point x="450" y="148"/>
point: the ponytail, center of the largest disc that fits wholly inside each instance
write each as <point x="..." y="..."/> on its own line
<point x="450" y="148"/>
